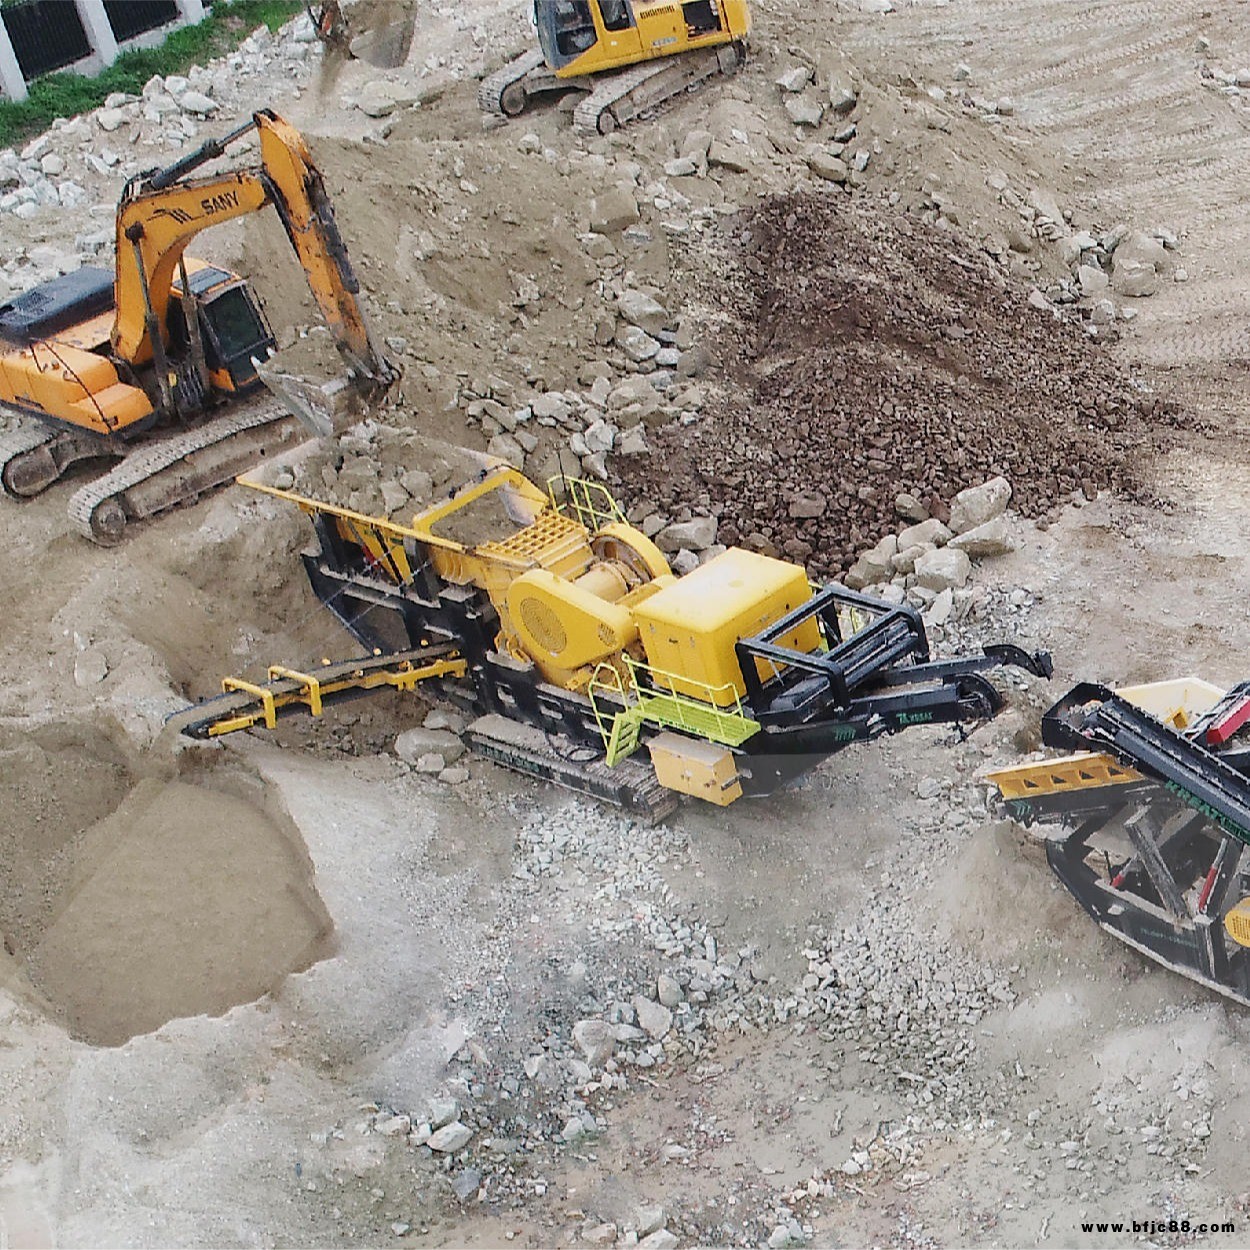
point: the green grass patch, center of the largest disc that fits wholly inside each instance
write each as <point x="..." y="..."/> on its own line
<point x="65" y="95"/>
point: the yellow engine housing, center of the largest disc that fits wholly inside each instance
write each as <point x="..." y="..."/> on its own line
<point x="689" y="629"/>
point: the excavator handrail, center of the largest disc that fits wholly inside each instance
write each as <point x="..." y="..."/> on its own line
<point x="109" y="422"/>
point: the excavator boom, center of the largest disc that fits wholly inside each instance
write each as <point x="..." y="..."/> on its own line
<point x="159" y="215"/>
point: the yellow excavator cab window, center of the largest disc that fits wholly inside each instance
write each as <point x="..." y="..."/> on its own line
<point x="616" y="14"/>
<point x="566" y="29"/>
<point x="238" y="331"/>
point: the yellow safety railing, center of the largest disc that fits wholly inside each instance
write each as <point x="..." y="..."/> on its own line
<point x="590" y="502"/>
<point x="715" y="712"/>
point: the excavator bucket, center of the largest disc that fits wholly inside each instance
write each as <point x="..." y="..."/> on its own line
<point x="325" y="408"/>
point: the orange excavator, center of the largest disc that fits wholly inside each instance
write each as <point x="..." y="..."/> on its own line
<point x="160" y="362"/>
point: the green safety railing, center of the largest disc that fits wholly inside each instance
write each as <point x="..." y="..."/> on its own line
<point x="650" y="696"/>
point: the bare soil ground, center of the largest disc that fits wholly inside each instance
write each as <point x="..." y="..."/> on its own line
<point x="224" y="971"/>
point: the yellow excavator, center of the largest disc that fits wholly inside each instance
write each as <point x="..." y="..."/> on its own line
<point x="157" y="361"/>
<point x="627" y="55"/>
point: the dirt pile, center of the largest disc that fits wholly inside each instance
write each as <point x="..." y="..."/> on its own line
<point x="127" y="903"/>
<point x="868" y="356"/>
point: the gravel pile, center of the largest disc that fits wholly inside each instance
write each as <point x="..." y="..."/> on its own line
<point x="869" y="355"/>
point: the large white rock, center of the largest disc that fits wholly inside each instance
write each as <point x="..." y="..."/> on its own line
<point x="990" y="539"/>
<point x="943" y="569"/>
<point x="1137" y="265"/>
<point x="507" y="448"/>
<point x="930" y="531"/>
<point x="697" y="534"/>
<point x="596" y="1039"/>
<point x="639" y="309"/>
<point x="636" y="343"/>
<point x="197" y="103"/>
<point x="451" y="1137"/>
<point x="1092" y="280"/>
<point x="412" y="744"/>
<point x="828" y="167"/>
<point x="795" y="79"/>
<point x="875" y="565"/>
<point x="611" y="211"/>
<point x="804" y="111"/>
<point x="653" y="1018"/>
<point x="978" y="504"/>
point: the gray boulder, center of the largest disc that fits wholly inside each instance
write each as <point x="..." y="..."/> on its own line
<point x="943" y="569"/>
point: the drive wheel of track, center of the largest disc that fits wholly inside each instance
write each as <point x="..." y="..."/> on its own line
<point x="512" y="99"/>
<point x="108" y="523"/>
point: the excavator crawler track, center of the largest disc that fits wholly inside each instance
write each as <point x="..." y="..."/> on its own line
<point x="620" y="98"/>
<point x="179" y="468"/>
<point x="504" y="92"/>
<point x="631" y="784"/>
<point x="33" y="456"/>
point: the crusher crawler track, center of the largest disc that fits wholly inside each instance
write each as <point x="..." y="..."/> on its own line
<point x="612" y="99"/>
<point x="630" y="784"/>
<point x="33" y="456"/>
<point x="180" y="467"/>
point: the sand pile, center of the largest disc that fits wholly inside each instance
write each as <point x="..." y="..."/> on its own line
<point x="867" y="355"/>
<point x="127" y="905"/>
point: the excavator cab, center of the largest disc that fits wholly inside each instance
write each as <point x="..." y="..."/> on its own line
<point x="237" y="333"/>
<point x="566" y="29"/>
<point x="232" y="328"/>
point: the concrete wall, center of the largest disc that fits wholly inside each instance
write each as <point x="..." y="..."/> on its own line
<point x="104" y="46"/>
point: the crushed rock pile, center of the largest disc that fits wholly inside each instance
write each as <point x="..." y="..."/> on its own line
<point x="868" y="356"/>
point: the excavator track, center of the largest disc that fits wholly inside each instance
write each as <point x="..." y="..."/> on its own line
<point x="504" y="92"/>
<point x="630" y="785"/>
<point x="179" y="468"/>
<point x="619" y="98"/>
<point x="33" y="456"/>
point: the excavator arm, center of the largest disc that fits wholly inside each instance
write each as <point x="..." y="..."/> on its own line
<point x="162" y="212"/>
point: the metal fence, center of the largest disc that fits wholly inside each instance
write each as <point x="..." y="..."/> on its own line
<point x="129" y="18"/>
<point x="46" y="35"/>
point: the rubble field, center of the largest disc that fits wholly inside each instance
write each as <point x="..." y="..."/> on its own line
<point x="946" y="300"/>
<point x="867" y="358"/>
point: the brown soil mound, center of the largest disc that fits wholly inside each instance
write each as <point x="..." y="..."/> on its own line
<point x="868" y="355"/>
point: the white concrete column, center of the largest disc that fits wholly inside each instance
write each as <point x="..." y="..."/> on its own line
<point x="99" y="33"/>
<point x="11" y="81"/>
<point x="192" y="11"/>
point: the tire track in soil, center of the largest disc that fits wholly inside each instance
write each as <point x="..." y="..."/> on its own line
<point x="1120" y="91"/>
